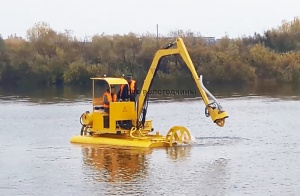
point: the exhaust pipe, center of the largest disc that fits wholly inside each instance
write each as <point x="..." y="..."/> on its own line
<point x="210" y="95"/>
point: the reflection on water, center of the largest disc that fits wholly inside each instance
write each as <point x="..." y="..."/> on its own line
<point x="179" y="152"/>
<point x="116" y="164"/>
<point x="134" y="171"/>
<point x="119" y="164"/>
<point x="79" y="94"/>
<point x="48" y="94"/>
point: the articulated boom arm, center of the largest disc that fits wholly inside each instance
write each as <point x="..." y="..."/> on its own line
<point x="213" y="109"/>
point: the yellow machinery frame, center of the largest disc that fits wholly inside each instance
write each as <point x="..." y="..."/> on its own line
<point x="100" y="127"/>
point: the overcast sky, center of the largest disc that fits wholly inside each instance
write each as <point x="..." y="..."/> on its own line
<point x="214" y="18"/>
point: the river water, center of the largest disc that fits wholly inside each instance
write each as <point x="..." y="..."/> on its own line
<point x="257" y="152"/>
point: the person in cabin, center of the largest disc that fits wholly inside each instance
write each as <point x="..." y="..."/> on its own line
<point x="109" y="97"/>
<point x="129" y="91"/>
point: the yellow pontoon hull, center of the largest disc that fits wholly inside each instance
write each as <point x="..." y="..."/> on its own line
<point x="176" y="135"/>
<point x="125" y="142"/>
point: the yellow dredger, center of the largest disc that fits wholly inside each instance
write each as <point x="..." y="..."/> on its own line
<point x="107" y="128"/>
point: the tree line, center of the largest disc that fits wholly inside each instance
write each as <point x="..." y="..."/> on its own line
<point x="48" y="57"/>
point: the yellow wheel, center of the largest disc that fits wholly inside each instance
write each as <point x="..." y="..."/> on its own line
<point x="178" y="135"/>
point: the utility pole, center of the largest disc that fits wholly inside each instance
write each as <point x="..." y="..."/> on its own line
<point x="157" y="36"/>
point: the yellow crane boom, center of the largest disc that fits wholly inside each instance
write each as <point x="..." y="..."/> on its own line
<point x="214" y="109"/>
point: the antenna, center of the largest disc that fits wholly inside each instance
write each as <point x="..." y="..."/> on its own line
<point x="156" y="31"/>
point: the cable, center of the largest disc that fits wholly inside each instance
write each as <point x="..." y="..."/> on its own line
<point x="142" y="117"/>
<point x="145" y="111"/>
<point x="80" y="119"/>
<point x="212" y="105"/>
<point x="206" y="112"/>
<point x="83" y="125"/>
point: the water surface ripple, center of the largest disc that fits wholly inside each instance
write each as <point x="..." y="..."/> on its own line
<point x="256" y="153"/>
